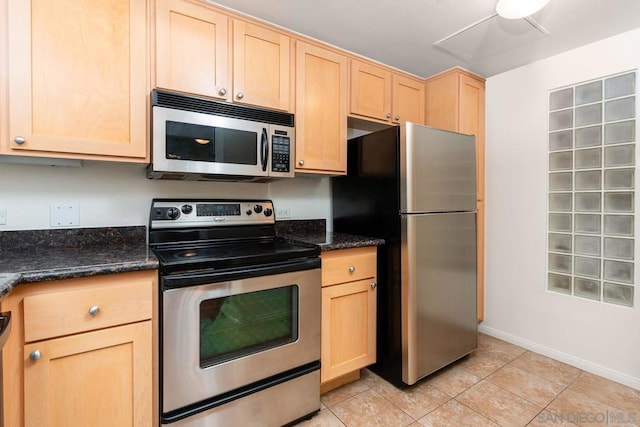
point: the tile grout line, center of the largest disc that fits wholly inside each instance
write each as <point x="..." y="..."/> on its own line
<point x="473" y="410"/>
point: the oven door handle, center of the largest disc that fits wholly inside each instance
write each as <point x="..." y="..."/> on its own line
<point x="182" y="280"/>
<point x="264" y="145"/>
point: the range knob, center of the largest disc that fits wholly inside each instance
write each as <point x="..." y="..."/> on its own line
<point x="249" y="212"/>
<point x="187" y="209"/>
<point x="173" y="213"/>
<point x="257" y="208"/>
<point x="268" y="212"/>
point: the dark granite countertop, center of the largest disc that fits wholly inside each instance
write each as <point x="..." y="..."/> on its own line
<point x="314" y="232"/>
<point x="41" y="255"/>
<point x="329" y="241"/>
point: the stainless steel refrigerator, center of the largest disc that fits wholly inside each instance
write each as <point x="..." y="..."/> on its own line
<point x="415" y="187"/>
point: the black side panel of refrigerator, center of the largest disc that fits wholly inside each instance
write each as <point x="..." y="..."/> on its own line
<point x="367" y="202"/>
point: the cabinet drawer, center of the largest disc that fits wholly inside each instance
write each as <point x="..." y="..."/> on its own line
<point x="64" y="313"/>
<point x="348" y="265"/>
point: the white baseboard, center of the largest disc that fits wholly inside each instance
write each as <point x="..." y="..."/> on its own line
<point x="563" y="357"/>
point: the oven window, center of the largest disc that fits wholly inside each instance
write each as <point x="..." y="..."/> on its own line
<point x="187" y="141"/>
<point x="243" y="324"/>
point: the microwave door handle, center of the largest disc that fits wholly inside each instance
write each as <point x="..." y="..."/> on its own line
<point x="264" y="148"/>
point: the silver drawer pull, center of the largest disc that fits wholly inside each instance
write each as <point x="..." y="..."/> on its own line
<point x="19" y="140"/>
<point x="374" y="285"/>
<point x="35" y="355"/>
<point x="352" y="269"/>
<point x="94" y="310"/>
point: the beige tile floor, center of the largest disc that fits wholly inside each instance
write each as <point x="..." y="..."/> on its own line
<point x="500" y="384"/>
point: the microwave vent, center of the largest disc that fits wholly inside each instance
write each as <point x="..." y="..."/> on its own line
<point x="178" y="101"/>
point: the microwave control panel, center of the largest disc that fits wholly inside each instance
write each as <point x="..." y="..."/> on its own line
<point x="280" y="153"/>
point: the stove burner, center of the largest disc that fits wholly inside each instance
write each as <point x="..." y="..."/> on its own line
<point x="188" y="254"/>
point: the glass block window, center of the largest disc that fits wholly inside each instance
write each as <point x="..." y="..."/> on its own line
<point x="591" y="189"/>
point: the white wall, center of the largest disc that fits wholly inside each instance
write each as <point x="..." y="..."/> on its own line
<point x="116" y="194"/>
<point x="597" y="337"/>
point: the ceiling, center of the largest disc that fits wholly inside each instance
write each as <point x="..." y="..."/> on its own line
<point x="402" y="33"/>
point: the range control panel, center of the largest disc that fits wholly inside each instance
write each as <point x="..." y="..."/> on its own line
<point x="210" y="213"/>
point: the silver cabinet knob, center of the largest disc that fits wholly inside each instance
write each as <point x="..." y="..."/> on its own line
<point x="35" y="355"/>
<point x="222" y="92"/>
<point x="240" y="95"/>
<point x="352" y="269"/>
<point x="301" y="162"/>
<point x="19" y="140"/>
<point x="374" y="285"/>
<point x="396" y="118"/>
<point x="94" y="310"/>
<point x="388" y="115"/>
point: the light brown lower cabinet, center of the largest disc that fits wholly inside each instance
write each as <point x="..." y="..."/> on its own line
<point x="80" y="352"/>
<point x="99" y="378"/>
<point x="348" y="313"/>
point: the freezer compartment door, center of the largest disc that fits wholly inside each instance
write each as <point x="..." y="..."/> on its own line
<point x="438" y="170"/>
<point x="439" y="320"/>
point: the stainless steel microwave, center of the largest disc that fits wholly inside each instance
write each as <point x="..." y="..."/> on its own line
<point x="195" y="138"/>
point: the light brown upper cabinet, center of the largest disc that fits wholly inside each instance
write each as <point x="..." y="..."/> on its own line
<point x="196" y="46"/>
<point x="370" y="91"/>
<point x="379" y="94"/>
<point x="192" y="49"/>
<point x="78" y="83"/>
<point x="321" y="110"/>
<point x="455" y="102"/>
<point x="261" y="66"/>
<point x="408" y="100"/>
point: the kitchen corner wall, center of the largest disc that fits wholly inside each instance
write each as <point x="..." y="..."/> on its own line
<point x="597" y="337"/>
<point x="117" y="194"/>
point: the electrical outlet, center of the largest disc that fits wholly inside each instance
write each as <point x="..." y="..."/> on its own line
<point x="3" y="216"/>
<point x="283" y="213"/>
<point x="65" y="214"/>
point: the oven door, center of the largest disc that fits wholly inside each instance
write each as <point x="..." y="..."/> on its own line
<point x="190" y="142"/>
<point x="223" y="335"/>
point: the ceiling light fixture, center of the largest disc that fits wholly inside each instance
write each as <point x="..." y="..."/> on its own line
<point x="516" y="9"/>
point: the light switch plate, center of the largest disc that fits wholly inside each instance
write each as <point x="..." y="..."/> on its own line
<point x="65" y="214"/>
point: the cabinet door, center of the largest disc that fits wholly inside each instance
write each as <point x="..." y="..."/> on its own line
<point x="261" y="66"/>
<point x="408" y="100"/>
<point x="442" y="102"/>
<point x="192" y="49"/>
<point x="348" y="328"/>
<point x="370" y="91"/>
<point x="471" y="121"/>
<point x="78" y="77"/>
<point x="321" y="110"/>
<point x="100" y="378"/>
<point x="4" y="85"/>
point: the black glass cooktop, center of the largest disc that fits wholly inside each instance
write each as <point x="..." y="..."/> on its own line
<point x="229" y="255"/>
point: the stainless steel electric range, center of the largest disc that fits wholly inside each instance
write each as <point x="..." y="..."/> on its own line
<point x="240" y="315"/>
